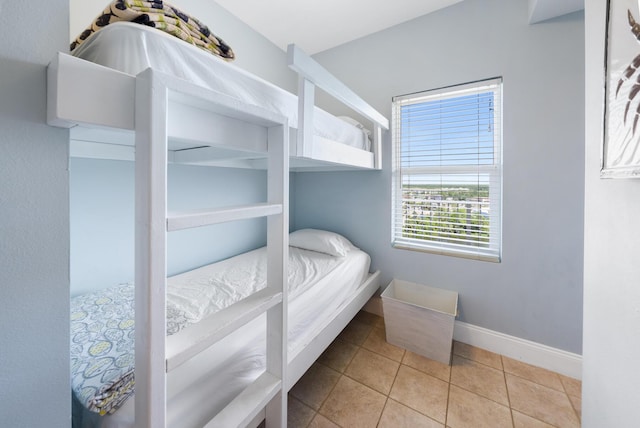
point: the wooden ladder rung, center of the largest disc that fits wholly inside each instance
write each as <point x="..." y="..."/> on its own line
<point x="192" y="340"/>
<point x="248" y="403"/>
<point x="198" y="218"/>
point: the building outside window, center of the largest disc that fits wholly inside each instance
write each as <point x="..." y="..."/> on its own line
<point x="447" y="170"/>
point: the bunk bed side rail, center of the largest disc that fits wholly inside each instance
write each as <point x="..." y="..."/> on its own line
<point x="81" y="92"/>
<point x="312" y="74"/>
<point x="310" y="70"/>
<point x="331" y="152"/>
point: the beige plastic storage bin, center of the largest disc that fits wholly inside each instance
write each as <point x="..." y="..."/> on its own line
<point x="420" y="318"/>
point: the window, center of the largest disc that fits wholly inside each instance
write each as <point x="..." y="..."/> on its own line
<point x="447" y="170"/>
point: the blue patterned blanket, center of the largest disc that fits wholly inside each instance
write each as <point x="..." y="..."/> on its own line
<point x="102" y="344"/>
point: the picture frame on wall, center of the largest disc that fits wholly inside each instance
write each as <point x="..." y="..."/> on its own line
<point x="621" y="139"/>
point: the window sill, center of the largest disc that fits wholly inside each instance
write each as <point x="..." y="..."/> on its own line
<point x="448" y="252"/>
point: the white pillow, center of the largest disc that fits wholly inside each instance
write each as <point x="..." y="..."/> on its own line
<point x="321" y="241"/>
<point x="355" y="123"/>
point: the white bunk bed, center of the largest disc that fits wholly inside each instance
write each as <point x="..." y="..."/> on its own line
<point x="319" y="141"/>
<point x="319" y="284"/>
<point x="155" y="118"/>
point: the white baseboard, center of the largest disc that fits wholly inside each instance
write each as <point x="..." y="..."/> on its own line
<point x="536" y="354"/>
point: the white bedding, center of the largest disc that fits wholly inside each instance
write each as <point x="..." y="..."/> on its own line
<point x="319" y="284"/>
<point x="132" y="48"/>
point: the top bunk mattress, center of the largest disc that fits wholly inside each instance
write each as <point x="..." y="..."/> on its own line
<point x="132" y="48"/>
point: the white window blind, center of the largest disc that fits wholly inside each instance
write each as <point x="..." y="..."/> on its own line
<point x="447" y="170"/>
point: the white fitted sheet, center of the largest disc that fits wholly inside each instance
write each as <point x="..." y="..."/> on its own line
<point x="132" y="48"/>
<point x="197" y="390"/>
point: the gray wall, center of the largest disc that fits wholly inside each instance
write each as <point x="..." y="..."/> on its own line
<point x="610" y="379"/>
<point x="34" y="231"/>
<point x="536" y="292"/>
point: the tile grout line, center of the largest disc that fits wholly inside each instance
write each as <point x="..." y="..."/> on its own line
<point x="485" y="397"/>
<point x="325" y="399"/>
<point x="540" y="385"/>
<point x="386" y="400"/>
<point x="446" y="410"/>
<point x="395" y="377"/>
<point x="569" y="398"/>
<point x="317" y="412"/>
<point x="402" y="362"/>
<point x="506" y="386"/>
<point x="386" y="396"/>
<point x="343" y="374"/>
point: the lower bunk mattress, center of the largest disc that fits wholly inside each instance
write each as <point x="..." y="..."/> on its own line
<point x="102" y="334"/>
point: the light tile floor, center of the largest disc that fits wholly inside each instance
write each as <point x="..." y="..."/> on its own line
<point x="363" y="381"/>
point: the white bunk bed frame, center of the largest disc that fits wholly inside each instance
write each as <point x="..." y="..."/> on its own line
<point x="104" y="129"/>
<point x="233" y="131"/>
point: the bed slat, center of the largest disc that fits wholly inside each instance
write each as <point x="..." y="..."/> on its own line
<point x="255" y="396"/>
<point x="197" y="337"/>
<point x="197" y="218"/>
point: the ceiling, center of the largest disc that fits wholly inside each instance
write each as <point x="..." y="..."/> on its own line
<point x="316" y="26"/>
<point x="541" y="10"/>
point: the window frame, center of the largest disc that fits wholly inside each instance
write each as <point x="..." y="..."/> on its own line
<point x="494" y="171"/>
